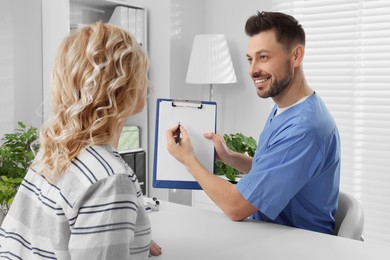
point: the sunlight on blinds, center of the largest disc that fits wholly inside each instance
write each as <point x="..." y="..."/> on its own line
<point x="347" y="62"/>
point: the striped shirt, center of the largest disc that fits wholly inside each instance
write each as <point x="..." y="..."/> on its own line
<point x="95" y="210"/>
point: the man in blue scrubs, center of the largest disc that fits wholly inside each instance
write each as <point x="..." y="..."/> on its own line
<point x="293" y="178"/>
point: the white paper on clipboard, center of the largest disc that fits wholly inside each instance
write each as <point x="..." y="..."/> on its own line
<point x="198" y="117"/>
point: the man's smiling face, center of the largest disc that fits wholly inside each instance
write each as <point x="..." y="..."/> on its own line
<point x="270" y="65"/>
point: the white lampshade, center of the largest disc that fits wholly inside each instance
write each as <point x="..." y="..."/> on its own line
<point x="210" y="61"/>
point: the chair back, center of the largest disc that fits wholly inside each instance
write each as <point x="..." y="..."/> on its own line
<point x="349" y="218"/>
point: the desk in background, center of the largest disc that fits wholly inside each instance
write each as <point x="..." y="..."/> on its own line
<point x="186" y="233"/>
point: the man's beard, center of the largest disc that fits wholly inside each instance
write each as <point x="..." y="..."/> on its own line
<point x="277" y="86"/>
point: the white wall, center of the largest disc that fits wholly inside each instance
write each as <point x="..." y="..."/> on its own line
<point x="187" y="19"/>
<point x="21" y="74"/>
<point x="55" y="27"/>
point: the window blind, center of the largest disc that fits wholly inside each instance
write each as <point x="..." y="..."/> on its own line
<point x="347" y="61"/>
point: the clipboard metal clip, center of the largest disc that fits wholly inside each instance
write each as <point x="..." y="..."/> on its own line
<point x="187" y="103"/>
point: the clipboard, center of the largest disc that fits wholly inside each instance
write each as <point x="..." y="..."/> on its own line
<point x="198" y="117"/>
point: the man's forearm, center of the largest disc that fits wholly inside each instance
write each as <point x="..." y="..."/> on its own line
<point x="239" y="161"/>
<point x="223" y="193"/>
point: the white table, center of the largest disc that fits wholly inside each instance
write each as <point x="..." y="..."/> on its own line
<point x="186" y="233"/>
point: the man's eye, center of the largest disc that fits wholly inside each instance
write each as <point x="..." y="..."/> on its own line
<point x="263" y="57"/>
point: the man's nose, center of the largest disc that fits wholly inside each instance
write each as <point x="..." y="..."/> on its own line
<point x="254" y="69"/>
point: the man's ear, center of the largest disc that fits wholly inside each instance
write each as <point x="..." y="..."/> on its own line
<point x="298" y="54"/>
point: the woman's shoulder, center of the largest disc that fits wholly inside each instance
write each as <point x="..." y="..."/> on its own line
<point x="100" y="161"/>
<point x="95" y="166"/>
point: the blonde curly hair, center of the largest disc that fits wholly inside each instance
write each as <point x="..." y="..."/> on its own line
<point x="99" y="79"/>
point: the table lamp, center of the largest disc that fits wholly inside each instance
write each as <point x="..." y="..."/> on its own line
<point x="210" y="62"/>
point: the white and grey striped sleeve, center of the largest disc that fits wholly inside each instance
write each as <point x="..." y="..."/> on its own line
<point x="104" y="224"/>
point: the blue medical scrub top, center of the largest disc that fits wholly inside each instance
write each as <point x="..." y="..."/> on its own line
<point x="295" y="173"/>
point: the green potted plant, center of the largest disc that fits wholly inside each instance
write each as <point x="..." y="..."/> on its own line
<point x="239" y="143"/>
<point x="16" y="156"/>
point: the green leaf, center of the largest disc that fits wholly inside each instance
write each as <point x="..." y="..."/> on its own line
<point x="15" y="158"/>
<point x="230" y="173"/>
<point x="239" y="143"/>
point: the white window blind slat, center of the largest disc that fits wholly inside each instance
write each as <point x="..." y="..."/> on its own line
<point x="347" y="61"/>
<point x="318" y="4"/>
<point x="343" y="36"/>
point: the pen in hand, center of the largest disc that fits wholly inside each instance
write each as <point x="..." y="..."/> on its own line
<point x="177" y="138"/>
